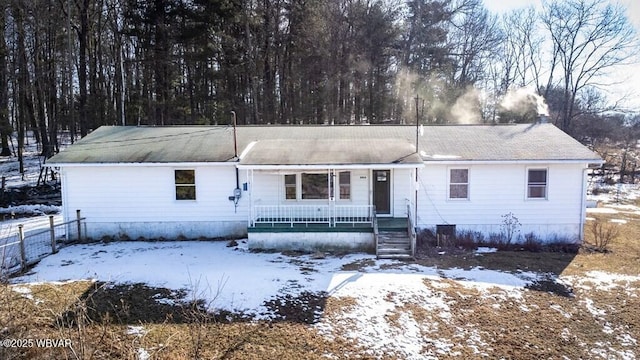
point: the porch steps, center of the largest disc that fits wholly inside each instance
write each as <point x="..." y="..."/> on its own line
<point x="394" y="244"/>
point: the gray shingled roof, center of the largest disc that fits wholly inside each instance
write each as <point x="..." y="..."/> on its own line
<point x="317" y="145"/>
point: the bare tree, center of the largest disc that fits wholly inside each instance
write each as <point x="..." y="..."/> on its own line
<point x="522" y="51"/>
<point x="589" y="38"/>
<point x="475" y="36"/>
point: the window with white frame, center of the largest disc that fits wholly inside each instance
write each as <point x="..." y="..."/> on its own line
<point x="185" y="182"/>
<point x="314" y="186"/>
<point x="344" y="185"/>
<point x="458" y="183"/>
<point x="537" y="183"/>
<point x="317" y="186"/>
<point x="290" y="187"/>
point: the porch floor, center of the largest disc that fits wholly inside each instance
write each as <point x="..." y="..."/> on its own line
<point x="384" y="224"/>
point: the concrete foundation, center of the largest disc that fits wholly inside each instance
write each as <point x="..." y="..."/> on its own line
<point x="312" y="241"/>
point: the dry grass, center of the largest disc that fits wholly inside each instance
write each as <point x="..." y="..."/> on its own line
<point x="539" y="325"/>
<point x="483" y="323"/>
<point x="41" y="316"/>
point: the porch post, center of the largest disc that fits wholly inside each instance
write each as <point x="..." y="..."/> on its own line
<point x="250" y="190"/>
<point x="331" y="192"/>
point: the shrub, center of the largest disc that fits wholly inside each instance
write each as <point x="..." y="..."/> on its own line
<point x="468" y="239"/>
<point x="510" y="228"/>
<point x="426" y="237"/>
<point x="532" y="242"/>
<point x="602" y="234"/>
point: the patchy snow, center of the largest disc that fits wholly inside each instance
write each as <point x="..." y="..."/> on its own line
<point x="227" y="278"/>
<point x="613" y="199"/>
<point x="10" y="168"/>
<point x="232" y="278"/>
<point x="597" y="313"/>
<point x="485" y="250"/>
<point x="31" y="210"/>
<point x="618" y="221"/>
<point x="24" y="291"/>
<point x="601" y="280"/>
<point x="142" y="354"/>
<point x="601" y="210"/>
<point x="380" y="297"/>
<point x="136" y="330"/>
<point x="235" y="279"/>
<point x="398" y="305"/>
<point x="483" y="278"/>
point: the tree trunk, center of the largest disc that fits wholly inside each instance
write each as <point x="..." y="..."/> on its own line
<point x="5" y="126"/>
<point x="83" y="37"/>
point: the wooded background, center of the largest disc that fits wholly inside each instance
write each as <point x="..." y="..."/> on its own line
<point x="73" y="65"/>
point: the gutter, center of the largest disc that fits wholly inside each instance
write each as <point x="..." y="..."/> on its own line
<point x="325" y="166"/>
<point x="492" y="162"/>
<point x="140" y="164"/>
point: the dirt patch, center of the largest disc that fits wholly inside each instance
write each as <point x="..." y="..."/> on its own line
<point x="48" y="194"/>
<point x="138" y="303"/>
<point x="551" y="286"/>
<point x="509" y="261"/>
<point x="305" y="308"/>
<point x="358" y="265"/>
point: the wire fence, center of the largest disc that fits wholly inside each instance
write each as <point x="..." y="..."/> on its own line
<point x="20" y="248"/>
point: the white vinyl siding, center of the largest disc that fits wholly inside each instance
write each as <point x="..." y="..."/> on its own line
<point x="132" y="193"/>
<point x="138" y="202"/>
<point x="499" y="189"/>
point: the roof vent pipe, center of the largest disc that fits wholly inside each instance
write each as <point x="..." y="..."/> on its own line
<point x="542" y="119"/>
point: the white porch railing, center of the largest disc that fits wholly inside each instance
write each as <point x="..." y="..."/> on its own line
<point x="312" y="214"/>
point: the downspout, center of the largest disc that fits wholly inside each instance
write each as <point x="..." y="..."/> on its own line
<point x="583" y="199"/>
<point x="415" y="203"/>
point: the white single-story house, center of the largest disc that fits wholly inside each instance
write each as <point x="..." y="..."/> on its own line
<point x="304" y="187"/>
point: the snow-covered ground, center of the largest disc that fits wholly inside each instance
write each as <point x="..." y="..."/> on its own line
<point x="10" y="168"/>
<point x="10" y="171"/>
<point x="233" y="278"/>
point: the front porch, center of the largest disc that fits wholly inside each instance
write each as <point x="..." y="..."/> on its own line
<point x="331" y="227"/>
<point x="346" y="208"/>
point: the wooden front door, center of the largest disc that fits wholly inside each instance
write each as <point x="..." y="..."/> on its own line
<point x="382" y="191"/>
